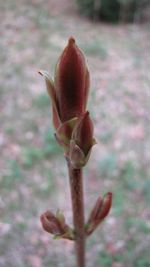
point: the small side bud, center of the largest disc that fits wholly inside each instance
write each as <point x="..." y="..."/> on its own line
<point x="99" y="213"/>
<point x="50" y="223"/>
<point x="94" y="213"/>
<point x="82" y="141"/>
<point x="83" y="133"/>
<point x="106" y="205"/>
<point x="56" y="225"/>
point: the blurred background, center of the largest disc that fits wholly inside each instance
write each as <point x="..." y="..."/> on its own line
<point x="115" y="37"/>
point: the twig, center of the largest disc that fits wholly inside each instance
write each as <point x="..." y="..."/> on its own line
<point x="76" y="187"/>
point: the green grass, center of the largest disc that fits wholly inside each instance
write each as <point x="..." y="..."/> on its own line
<point x="42" y="101"/>
<point x="108" y="164"/>
<point x="146" y="189"/>
<point x="127" y="175"/>
<point x="31" y="125"/>
<point x="14" y="206"/>
<point x="31" y="156"/>
<point x="9" y="130"/>
<point x="118" y="201"/>
<point x="50" y="146"/>
<point x="94" y="48"/>
<point x="140" y="224"/>
<point x="106" y="136"/>
<point x="143" y="262"/>
<point x="47" y="186"/>
<point x="22" y="226"/>
<point x="104" y="260"/>
<point x="12" y="176"/>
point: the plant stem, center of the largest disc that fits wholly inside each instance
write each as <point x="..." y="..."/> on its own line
<point x="76" y="186"/>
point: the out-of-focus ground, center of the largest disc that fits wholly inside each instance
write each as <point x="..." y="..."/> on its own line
<point x="33" y="172"/>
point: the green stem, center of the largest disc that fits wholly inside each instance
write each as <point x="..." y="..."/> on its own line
<point x="76" y="186"/>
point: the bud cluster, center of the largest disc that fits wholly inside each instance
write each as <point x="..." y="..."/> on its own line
<point x="74" y="132"/>
<point x="69" y="93"/>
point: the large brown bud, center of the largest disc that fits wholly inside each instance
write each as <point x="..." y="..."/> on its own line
<point x="69" y="93"/>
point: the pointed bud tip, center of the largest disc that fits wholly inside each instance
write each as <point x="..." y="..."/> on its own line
<point x="40" y="72"/>
<point x="86" y="114"/>
<point x="109" y="194"/>
<point x="71" y="41"/>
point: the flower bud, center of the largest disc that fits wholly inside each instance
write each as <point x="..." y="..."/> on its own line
<point x="99" y="212"/>
<point x="56" y="225"/>
<point x="68" y="92"/>
<point x="96" y="209"/>
<point x="71" y="82"/>
<point x="50" y="223"/>
<point x="83" y="133"/>
<point x="82" y="141"/>
<point x="105" y="208"/>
